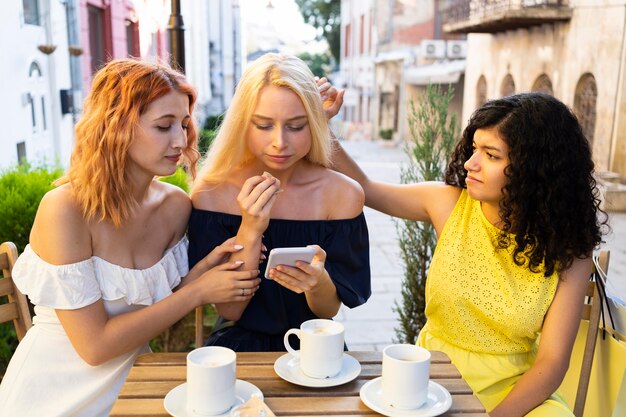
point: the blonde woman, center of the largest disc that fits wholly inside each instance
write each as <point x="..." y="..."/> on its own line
<point x="266" y="181"/>
<point x="108" y="248"/>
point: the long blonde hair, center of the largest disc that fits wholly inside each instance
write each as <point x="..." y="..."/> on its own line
<point x="120" y="94"/>
<point x="229" y="150"/>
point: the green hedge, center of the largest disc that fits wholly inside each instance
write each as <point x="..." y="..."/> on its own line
<point x="21" y="189"/>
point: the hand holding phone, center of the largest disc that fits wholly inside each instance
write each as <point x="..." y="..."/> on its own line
<point x="288" y="256"/>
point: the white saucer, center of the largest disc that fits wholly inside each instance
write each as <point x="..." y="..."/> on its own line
<point x="438" y="402"/>
<point x="175" y="401"/>
<point x="288" y="368"/>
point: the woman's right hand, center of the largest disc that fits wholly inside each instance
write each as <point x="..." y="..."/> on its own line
<point x="226" y="284"/>
<point x="256" y="198"/>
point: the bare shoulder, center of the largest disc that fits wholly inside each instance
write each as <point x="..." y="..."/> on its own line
<point x="175" y="206"/>
<point x="439" y="201"/>
<point x="221" y="197"/>
<point x="344" y="194"/>
<point x="60" y="233"/>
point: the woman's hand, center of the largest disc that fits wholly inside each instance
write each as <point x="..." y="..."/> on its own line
<point x="220" y="254"/>
<point x="256" y="198"/>
<point x="226" y="284"/>
<point x="332" y="99"/>
<point x="305" y="276"/>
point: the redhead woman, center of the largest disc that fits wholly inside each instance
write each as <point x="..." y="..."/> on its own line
<point x="106" y="267"/>
<point x="266" y="181"/>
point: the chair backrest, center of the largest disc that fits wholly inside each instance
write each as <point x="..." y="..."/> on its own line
<point x="17" y="307"/>
<point x="591" y="312"/>
<point x="199" y="324"/>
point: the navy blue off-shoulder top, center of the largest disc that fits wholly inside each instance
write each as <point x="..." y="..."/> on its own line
<point x="275" y="309"/>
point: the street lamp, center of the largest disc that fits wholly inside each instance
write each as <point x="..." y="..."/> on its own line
<point x="176" y="29"/>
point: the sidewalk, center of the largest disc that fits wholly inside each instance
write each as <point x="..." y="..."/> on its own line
<point x="371" y="326"/>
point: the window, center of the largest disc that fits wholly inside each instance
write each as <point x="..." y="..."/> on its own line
<point x="543" y="85"/>
<point x="481" y="91"/>
<point x="21" y="152"/>
<point x="96" y="37"/>
<point x="362" y="35"/>
<point x="35" y="79"/>
<point x="585" y="100"/>
<point x="43" y="113"/>
<point x="132" y="38"/>
<point x="508" y="86"/>
<point x="346" y="48"/>
<point x="31" y="12"/>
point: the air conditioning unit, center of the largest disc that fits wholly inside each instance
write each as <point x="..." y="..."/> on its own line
<point x="456" y="49"/>
<point x="433" y="48"/>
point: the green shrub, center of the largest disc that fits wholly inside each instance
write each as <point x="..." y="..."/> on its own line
<point x="21" y="189"/>
<point x="433" y="135"/>
<point x="179" y="178"/>
<point x="386" y="134"/>
<point x="205" y="140"/>
<point x="213" y="122"/>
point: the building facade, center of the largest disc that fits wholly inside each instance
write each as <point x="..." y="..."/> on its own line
<point x="36" y="113"/>
<point x="53" y="48"/>
<point x="356" y="72"/>
<point x="390" y="51"/>
<point x="572" y="49"/>
<point x="412" y="52"/>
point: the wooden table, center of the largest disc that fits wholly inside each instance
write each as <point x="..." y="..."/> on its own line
<point x="155" y="374"/>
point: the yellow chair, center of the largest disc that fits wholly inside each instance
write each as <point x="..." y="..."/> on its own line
<point x="17" y="307"/>
<point x="591" y="312"/>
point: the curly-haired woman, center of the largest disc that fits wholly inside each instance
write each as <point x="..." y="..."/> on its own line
<point x="517" y="221"/>
<point x="108" y="247"/>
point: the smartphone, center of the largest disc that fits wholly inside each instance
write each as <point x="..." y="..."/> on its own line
<point x="288" y="256"/>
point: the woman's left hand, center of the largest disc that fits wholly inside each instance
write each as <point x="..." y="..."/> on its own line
<point x="220" y="254"/>
<point x="332" y="99"/>
<point x="305" y="276"/>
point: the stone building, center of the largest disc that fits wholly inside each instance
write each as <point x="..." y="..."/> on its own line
<point x="572" y="49"/>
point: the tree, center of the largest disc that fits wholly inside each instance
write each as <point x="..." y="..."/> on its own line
<point x="433" y="136"/>
<point x="325" y="16"/>
<point x="319" y="64"/>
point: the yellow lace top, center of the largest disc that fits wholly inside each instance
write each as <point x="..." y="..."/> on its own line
<point x="477" y="298"/>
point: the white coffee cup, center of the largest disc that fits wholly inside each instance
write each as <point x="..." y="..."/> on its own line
<point x="321" y="347"/>
<point x="405" y="376"/>
<point x="211" y="377"/>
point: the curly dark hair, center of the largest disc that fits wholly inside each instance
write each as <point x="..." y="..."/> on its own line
<point x="551" y="200"/>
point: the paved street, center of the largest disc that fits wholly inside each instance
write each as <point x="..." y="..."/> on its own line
<point x="371" y="326"/>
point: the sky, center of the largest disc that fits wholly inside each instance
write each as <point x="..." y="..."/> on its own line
<point x="281" y="26"/>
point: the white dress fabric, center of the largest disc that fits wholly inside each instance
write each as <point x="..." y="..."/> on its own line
<point x="45" y="376"/>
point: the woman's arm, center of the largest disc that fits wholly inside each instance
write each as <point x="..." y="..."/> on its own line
<point x="255" y="200"/>
<point x="555" y="346"/>
<point x="425" y="201"/>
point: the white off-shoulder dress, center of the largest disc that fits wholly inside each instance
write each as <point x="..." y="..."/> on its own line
<point x="46" y="377"/>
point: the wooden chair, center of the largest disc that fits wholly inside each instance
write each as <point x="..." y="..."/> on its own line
<point x="17" y="307"/>
<point x="199" y="326"/>
<point x="591" y="312"/>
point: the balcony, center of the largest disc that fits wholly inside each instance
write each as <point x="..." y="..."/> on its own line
<point x="493" y="16"/>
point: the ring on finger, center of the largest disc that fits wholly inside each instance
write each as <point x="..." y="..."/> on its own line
<point x="243" y="292"/>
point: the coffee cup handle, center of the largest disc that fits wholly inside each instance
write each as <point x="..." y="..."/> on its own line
<point x="294" y="353"/>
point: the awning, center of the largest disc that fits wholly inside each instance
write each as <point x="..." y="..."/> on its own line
<point x="446" y="72"/>
<point x="403" y="55"/>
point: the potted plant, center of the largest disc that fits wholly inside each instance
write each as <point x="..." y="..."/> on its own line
<point x="47" y="48"/>
<point x="75" y="50"/>
<point x="386" y="134"/>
